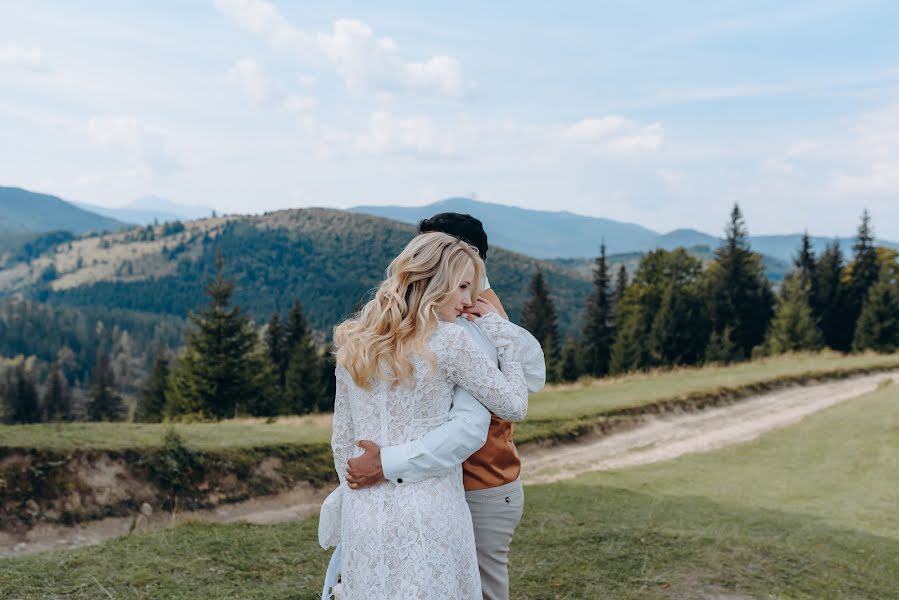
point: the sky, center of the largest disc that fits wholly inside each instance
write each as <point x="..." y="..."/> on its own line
<point x="658" y="113"/>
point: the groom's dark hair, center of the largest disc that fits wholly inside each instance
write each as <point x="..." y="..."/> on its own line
<point x="465" y="227"/>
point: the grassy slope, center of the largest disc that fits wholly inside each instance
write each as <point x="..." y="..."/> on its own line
<point x="550" y="413"/>
<point x="794" y="514"/>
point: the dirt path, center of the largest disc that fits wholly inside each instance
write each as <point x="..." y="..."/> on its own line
<point x="664" y="438"/>
<point x="656" y="439"/>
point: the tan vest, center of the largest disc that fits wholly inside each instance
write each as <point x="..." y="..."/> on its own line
<point x="497" y="462"/>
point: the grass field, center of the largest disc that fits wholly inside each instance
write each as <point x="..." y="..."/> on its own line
<point x="551" y="413"/>
<point x="808" y="512"/>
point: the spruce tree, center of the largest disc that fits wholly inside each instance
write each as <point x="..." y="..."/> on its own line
<point x="831" y="301"/>
<point x="598" y="336"/>
<point x="19" y="396"/>
<point x="217" y="373"/>
<point x="569" y="366"/>
<point x="276" y="346"/>
<point x="678" y="333"/>
<point x="878" y="324"/>
<point x="620" y="286"/>
<point x="739" y="295"/>
<point x="303" y="389"/>
<point x="805" y="265"/>
<point x="328" y="364"/>
<point x="57" y="401"/>
<point x="104" y="403"/>
<point x="794" y="327"/>
<point x="539" y="317"/>
<point x="151" y="401"/>
<point x="864" y="270"/>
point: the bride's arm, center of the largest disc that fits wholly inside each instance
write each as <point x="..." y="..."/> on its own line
<point x="342" y="438"/>
<point x="504" y="391"/>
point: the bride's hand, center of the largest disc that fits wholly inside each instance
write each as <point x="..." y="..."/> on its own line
<point x="480" y="308"/>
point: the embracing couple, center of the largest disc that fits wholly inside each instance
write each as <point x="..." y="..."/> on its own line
<point x="429" y="374"/>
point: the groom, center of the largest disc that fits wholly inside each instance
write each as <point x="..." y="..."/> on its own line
<point x="490" y="474"/>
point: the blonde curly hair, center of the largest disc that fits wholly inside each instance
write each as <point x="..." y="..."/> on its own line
<point x="379" y="340"/>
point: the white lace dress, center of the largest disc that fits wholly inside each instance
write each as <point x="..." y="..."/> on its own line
<point x="415" y="541"/>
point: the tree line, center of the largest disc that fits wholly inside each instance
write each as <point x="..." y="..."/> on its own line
<point x="676" y="311"/>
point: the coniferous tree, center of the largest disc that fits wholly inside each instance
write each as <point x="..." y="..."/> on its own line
<point x="739" y="295"/>
<point x="303" y="389"/>
<point x="831" y="299"/>
<point x="217" y="373"/>
<point x="598" y="335"/>
<point x="104" y="403"/>
<point x="878" y="324"/>
<point x="794" y="327"/>
<point x="19" y="396"/>
<point x="678" y="332"/>
<point x="620" y="286"/>
<point x="721" y="347"/>
<point x="569" y="366"/>
<point x="57" y="401"/>
<point x="276" y="345"/>
<point x="864" y="271"/>
<point x="805" y="265"/>
<point x="539" y="317"/>
<point x="328" y="364"/>
<point x="151" y="400"/>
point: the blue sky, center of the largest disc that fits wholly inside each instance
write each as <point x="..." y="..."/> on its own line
<point x="659" y="113"/>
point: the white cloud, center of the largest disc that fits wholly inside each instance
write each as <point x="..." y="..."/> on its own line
<point x="250" y="78"/>
<point x="366" y="63"/>
<point x="150" y="145"/>
<point x="387" y="134"/>
<point x="616" y="135"/>
<point x="18" y="57"/>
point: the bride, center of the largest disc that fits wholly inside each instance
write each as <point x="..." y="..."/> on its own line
<point x="398" y="361"/>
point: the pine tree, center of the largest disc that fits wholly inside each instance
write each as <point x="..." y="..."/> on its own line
<point x="569" y="366"/>
<point x="539" y="317"/>
<point x="674" y="337"/>
<point x="104" y="402"/>
<point x="721" y="347"/>
<point x="794" y="327"/>
<point x="620" y="286"/>
<point x="57" y="401"/>
<point x="878" y="324"/>
<point x="303" y="389"/>
<point x="328" y="364"/>
<point x="151" y="401"/>
<point x="217" y="373"/>
<point x="19" y="396"/>
<point x="739" y="295"/>
<point x="806" y="267"/>
<point x="864" y="271"/>
<point x="598" y="336"/>
<point x="831" y="300"/>
<point x="276" y="345"/>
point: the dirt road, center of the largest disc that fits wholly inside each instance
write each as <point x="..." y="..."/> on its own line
<point x="663" y="438"/>
<point x="657" y="439"/>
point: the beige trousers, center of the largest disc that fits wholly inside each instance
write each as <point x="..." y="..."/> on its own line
<point x="495" y="513"/>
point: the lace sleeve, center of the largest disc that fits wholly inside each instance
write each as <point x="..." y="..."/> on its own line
<point x="516" y="344"/>
<point x="504" y="391"/>
<point x="342" y="440"/>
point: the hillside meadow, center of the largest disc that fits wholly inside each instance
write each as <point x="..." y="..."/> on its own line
<point x="559" y="413"/>
<point x="807" y="513"/>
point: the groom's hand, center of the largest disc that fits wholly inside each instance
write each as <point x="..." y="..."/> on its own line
<point x="365" y="470"/>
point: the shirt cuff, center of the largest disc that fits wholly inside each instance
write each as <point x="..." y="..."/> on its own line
<point x="393" y="459"/>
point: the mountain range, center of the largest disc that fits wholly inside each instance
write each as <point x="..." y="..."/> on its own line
<point x="24" y="212"/>
<point x="150" y="209"/>
<point x="557" y="235"/>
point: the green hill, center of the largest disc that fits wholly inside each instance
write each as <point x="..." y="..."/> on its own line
<point x="24" y="212"/>
<point x="329" y="259"/>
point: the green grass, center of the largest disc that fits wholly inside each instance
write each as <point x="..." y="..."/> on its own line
<point x="807" y="513"/>
<point x="206" y="436"/>
<point x="560" y="413"/>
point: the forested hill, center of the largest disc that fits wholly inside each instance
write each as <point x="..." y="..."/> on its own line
<point x="22" y="212"/>
<point x="329" y="259"/>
